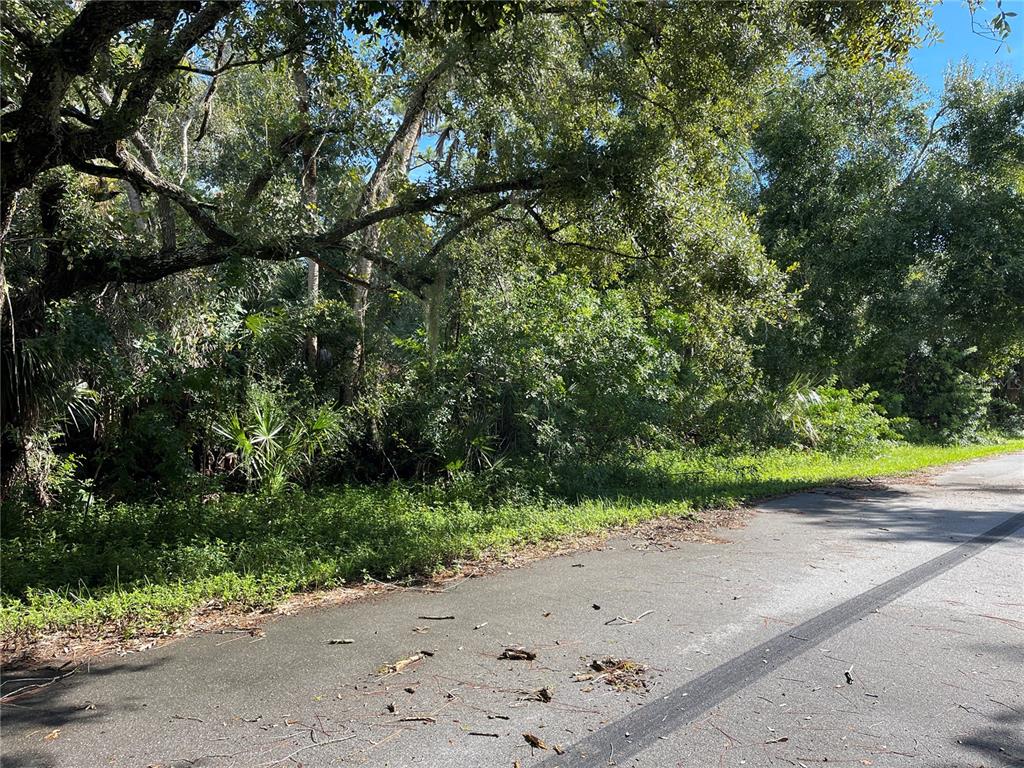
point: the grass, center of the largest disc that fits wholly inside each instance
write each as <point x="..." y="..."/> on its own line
<point x="143" y="568"/>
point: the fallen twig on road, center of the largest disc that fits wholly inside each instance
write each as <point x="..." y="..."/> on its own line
<point x="517" y="654"/>
<point x="398" y="666"/>
<point x="624" y="620"/>
<point x="303" y="749"/>
<point x="28" y="690"/>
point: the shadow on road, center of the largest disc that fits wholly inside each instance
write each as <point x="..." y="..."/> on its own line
<point x="999" y="739"/>
<point x="38" y="709"/>
<point x="895" y="515"/>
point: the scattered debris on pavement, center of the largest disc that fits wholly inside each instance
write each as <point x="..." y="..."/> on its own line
<point x="398" y="666"/>
<point x="619" y="620"/>
<point x="517" y="654"/>
<point x="541" y="694"/>
<point x="620" y="674"/>
<point x="535" y="741"/>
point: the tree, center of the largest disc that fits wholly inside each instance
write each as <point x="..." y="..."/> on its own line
<point x="136" y="51"/>
<point x="562" y="123"/>
<point x="896" y="227"/>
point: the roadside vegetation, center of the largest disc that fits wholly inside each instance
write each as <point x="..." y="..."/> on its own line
<point x="297" y="295"/>
<point x="139" y="568"/>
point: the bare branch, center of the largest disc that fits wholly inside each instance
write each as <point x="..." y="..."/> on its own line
<point x="549" y="235"/>
<point x="922" y="152"/>
<point x="207" y="101"/>
<point x="232" y="64"/>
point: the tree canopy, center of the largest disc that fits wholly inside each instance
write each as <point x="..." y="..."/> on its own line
<point x="337" y="239"/>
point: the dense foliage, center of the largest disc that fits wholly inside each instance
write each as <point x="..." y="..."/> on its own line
<point x="898" y="223"/>
<point x="268" y="247"/>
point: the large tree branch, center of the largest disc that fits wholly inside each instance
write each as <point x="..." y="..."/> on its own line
<point x="95" y="271"/>
<point x="160" y="59"/>
<point x="165" y="213"/>
<point x="55" y="66"/>
<point x="98" y="269"/>
<point x="410" y="125"/>
<point x="140" y="175"/>
<point x="466" y="224"/>
<point x="128" y="168"/>
<point x="349" y="227"/>
<point x="43" y="140"/>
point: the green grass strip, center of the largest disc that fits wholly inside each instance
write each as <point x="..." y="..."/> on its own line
<point x="142" y="568"/>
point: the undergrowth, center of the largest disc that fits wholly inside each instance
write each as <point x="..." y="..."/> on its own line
<point x="135" y="568"/>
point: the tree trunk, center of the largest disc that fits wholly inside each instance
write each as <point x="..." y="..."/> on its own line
<point x="376" y="195"/>
<point x="308" y="198"/>
<point x="434" y="304"/>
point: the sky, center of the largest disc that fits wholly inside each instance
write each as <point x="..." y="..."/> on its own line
<point x="960" y="41"/>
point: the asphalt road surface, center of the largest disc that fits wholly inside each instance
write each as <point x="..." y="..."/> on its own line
<point x="845" y="626"/>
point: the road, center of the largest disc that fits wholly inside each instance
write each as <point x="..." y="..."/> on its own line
<point x="847" y="626"/>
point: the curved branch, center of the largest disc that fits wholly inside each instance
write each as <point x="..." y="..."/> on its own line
<point x="229" y="65"/>
<point x="550" y="232"/>
<point x="465" y="225"/>
<point x="128" y="168"/>
<point x="338" y="234"/>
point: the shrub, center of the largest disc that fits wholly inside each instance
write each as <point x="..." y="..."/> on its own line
<point x="834" y="420"/>
<point x="937" y="388"/>
<point x="274" y="448"/>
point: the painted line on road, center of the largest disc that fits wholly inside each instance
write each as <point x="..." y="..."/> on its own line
<point x="611" y="744"/>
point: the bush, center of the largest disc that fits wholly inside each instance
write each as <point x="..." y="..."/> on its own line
<point x="834" y="420"/>
<point x="550" y="369"/>
<point x="274" y="447"/>
<point x="937" y="388"/>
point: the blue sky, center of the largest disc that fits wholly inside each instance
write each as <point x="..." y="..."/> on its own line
<point x="959" y="42"/>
